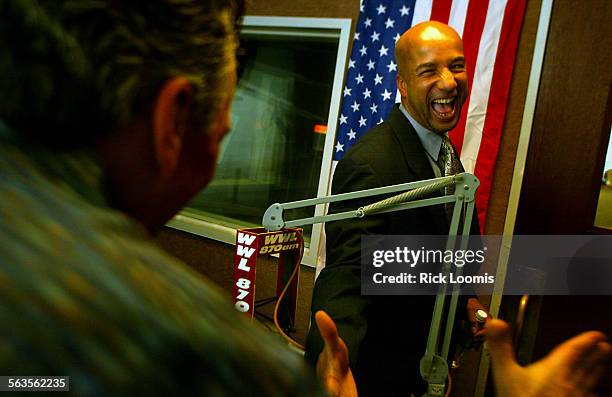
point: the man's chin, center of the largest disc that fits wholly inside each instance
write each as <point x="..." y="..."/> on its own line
<point x="442" y="126"/>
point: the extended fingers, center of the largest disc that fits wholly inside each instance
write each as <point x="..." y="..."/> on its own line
<point x="328" y="330"/>
<point x="584" y="349"/>
<point x="591" y="364"/>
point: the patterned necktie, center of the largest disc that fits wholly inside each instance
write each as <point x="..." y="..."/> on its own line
<point x="449" y="165"/>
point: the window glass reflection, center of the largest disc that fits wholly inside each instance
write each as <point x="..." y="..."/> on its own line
<point x="603" y="218"/>
<point x="275" y="148"/>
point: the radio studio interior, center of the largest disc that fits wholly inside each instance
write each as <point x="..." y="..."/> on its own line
<point x="299" y="198"/>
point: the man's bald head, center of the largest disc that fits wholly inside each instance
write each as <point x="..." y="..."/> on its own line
<point x="432" y="77"/>
<point x="420" y="34"/>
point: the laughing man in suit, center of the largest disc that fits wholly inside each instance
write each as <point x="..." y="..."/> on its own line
<point x="386" y="335"/>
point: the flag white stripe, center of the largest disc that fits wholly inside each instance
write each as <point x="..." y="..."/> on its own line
<point x="458" y="15"/>
<point x="323" y="241"/>
<point x="483" y="75"/>
<point x="422" y="11"/>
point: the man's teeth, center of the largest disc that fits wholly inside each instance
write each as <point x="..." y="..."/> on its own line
<point x="443" y="100"/>
<point x="444" y="107"/>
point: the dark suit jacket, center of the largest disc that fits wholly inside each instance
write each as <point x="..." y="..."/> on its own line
<point x="386" y="335"/>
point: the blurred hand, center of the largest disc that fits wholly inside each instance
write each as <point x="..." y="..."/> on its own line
<point x="572" y="369"/>
<point x="333" y="362"/>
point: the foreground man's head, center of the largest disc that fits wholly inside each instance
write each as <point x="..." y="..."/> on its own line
<point x="148" y="86"/>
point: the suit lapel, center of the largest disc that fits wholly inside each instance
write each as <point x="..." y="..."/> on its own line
<point x="414" y="153"/>
<point x="416" y="160"/>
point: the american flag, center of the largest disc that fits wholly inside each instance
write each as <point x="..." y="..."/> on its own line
<point x="490" y="31"/>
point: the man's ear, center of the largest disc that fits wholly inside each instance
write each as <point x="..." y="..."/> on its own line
<point x="401" y="86"/>
<point x="221" y="122"/>
<point x="170" y="122"/>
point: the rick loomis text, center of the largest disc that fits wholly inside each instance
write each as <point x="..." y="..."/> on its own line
<point x="413" y="258"/>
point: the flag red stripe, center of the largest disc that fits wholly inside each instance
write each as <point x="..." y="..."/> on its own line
<point x="440" y="10"/>
<point x="498" y="101"/>
<point x="472" y="32"/>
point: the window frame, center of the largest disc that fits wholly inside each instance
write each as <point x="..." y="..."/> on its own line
<point x="195" y="223"/>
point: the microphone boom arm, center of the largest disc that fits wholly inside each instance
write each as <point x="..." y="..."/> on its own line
<point x="433" y="367"/>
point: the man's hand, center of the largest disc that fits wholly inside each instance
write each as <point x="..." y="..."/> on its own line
<point x="473" y="305"/>
<point x="572" y="369"/>
<point x="333" y="362"/>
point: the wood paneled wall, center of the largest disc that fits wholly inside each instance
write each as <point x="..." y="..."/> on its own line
<point x="570" y="134"/>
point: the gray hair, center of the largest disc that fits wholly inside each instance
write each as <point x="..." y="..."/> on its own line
<point x="71" y="71"/>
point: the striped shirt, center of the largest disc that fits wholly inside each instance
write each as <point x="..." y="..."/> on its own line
<point x="85" y="293"/>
